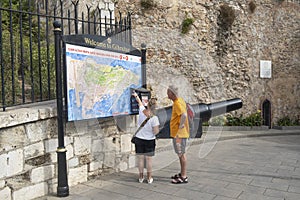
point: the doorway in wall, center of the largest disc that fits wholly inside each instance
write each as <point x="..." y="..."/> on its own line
<point x="266" y="113"/>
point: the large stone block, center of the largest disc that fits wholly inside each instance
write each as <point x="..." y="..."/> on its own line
<point x="31" y="192"/>
<point x="97" y="145"/>
<point x="47" y="111"/>
<point x="126" y="123"/>
<point x="109" y="159"/>
<point x="123" y="166"/>
<point x="98" y="157"/>
<point x="41" y="130"/>
<point x="126" y="143"/>
<point x="70" y="151"/>
<point x="12" y="138"/>
<point x="77" y="128"/>
<point x="74" y="162"/>
<point x="15" y="162"/>
<point x="82" y="145"/>
<point x="5" y="193"/>
<point x="53" y="157"/>
<point x="18" y="116"/>
<point x="52" y="186"/>
<point x="2" y="183"/>
<point x="95" y="165"/>
<point x="34" y="150"/>
<point x="41" y="174"/>
<point x="51" y="145"/>
<point x="3" y="165"/>
<point x="110" y="144"/>
<point x="77" y="175"/>
<point x="132" y="161"/>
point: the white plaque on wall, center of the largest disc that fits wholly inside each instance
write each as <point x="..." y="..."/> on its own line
<point x="265" y="69"/>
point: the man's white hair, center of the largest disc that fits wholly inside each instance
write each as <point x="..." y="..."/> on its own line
<point x="173" y="89"/>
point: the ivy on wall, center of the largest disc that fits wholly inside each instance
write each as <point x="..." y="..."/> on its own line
<point x="186" y="25"/>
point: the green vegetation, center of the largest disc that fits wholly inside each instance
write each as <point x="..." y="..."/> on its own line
<point x="254" y="119"/>
<point x="252" y="6"/>
<point x="286" y="121"/>
<point x="186" y="25"/>
<point x="226" y="17"/>
<point x="148" y="4"/>
<point x="25" y="58"/>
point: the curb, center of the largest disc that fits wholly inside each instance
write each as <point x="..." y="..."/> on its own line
<point x="287" y="127"/>
<point x="236" y="128"/>
<point x="230" y="135"/>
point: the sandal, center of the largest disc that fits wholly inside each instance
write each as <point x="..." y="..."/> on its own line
<point x="180" y="180"/>
<point x="176" y="176"/>
<point x="141" y="180"/>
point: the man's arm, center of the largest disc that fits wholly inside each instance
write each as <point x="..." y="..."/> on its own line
<point x="182" y="120"/>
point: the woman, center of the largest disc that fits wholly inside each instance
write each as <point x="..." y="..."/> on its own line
<point x="145" y="137"/>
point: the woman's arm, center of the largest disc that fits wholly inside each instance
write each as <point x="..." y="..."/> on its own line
<point x="139" y="102"/>
<point x="137" y="98"/>
<point x="155" y="129"/>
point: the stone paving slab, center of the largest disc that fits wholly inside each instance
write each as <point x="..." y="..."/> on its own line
<point x="258" y="165"/>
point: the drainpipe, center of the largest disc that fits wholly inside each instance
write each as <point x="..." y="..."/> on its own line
<point x="143" y="62"/>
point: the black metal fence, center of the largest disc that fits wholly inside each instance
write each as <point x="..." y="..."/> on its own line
<point x="27" y="43"/>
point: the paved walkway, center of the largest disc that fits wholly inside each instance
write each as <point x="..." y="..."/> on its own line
<point x="221" y="166"/>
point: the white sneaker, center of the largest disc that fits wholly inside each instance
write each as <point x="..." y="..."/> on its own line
<point x="141" y="180"/>
<point x="150" y="180"/>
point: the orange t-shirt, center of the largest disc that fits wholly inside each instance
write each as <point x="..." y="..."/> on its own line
<point x="179" y="107"/>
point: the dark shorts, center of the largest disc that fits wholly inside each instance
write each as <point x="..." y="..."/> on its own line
<point x="145" y="147"/>
<point x="179" y="145"/>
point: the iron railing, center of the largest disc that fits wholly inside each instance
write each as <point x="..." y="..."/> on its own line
<point x="27" y="43"/>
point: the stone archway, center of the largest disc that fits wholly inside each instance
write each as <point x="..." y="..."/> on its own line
<point x="266" y="113"/>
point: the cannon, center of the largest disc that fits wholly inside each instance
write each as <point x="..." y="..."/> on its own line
<point x="203" y="112"/>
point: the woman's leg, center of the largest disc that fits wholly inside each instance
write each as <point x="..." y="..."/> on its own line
<point x="141" y="166"/>
<point x="149" y="167"/>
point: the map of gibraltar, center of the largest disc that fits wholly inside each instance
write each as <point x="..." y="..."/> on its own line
<point x="99" y="82"/>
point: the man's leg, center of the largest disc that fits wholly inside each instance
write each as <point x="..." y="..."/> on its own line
<point x="183" y="163"/>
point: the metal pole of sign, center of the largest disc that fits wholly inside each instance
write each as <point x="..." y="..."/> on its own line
<point x="143" y="62"/>
<point x="62" y="187"/>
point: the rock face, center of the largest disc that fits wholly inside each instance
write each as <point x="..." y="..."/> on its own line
<point x="219" y="58"/>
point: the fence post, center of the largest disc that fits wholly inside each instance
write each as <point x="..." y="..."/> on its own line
<point x="62" y="187"/>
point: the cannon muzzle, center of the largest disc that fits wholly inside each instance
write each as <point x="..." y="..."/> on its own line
<point x="203" y="112"/>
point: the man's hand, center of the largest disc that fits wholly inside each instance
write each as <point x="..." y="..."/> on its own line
<point x="181" y="126"/>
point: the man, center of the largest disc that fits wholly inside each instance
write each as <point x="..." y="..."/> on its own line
<point x="179" y="131"/>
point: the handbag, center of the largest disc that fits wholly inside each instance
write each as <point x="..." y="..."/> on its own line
<point x="133" y="139"/>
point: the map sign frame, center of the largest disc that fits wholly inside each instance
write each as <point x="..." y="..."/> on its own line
<point x="99" y="80"/>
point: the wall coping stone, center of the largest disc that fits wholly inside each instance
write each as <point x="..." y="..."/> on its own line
<point x="27" y="113"/>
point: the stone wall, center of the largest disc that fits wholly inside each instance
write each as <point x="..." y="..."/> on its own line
<point x="219" y="58"/>
<point x="28" y="143"/>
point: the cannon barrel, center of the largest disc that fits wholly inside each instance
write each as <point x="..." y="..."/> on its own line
<point x="203" y="112"/>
